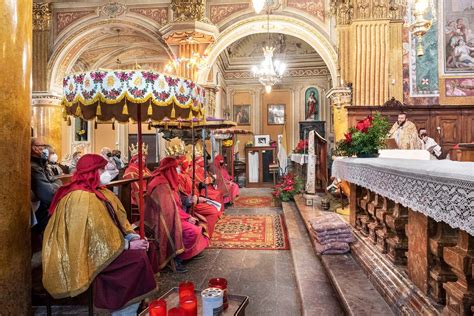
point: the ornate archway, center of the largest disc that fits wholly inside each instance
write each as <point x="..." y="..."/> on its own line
<point x="278" y="24"/>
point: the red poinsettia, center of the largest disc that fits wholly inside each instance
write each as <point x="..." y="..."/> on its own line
<point x="348" y="138"/>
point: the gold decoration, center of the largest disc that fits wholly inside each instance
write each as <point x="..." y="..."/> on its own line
<point x="41" y="16"/>
<point x="150" y="110"/>
<point x="346" y="11"/>
<point x="173" y="113"/>
<point x="189" y="10"/>
<point x="78" y="111"/>
<point x="125" y="109"/>
<point x="134" y="149"/>
<point x="98" y="111"/>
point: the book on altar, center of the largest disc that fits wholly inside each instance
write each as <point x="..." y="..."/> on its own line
<point x="217" y="205"/>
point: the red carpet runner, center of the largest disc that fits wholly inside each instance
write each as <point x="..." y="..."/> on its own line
<point x="257" y="232"/>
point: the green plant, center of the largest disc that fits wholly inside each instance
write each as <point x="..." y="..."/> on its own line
<point x="286" y="189"/>
<point x="365" y="139"/>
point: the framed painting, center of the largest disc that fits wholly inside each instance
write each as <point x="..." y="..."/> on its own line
<point x="457" y="48"/>
<point x="311" y="104"/>
<point x="81" y="130"/>
<point x="261" y="140"/>
<point x="276" y="114"/>
<point x="242" y="114"/>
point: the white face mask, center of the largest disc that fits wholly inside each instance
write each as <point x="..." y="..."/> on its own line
<point x="178" y="170"/>
<point x="105" y="178"/>
<point x="53" y="158"/>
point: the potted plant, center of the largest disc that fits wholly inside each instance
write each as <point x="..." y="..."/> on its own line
<point x="301" y="147"/>
<point x="365" y="139"/>
<point x="287" y="188"/>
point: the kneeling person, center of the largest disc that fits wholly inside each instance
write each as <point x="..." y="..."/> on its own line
<point x="89" y="240"/>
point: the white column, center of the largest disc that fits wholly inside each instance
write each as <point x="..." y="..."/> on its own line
<point x="121" y="139"/>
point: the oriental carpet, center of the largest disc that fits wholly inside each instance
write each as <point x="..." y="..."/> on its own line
<point x="253" y="202"/>
<point x="257" y="232"/>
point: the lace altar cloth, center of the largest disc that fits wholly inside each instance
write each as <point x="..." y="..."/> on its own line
<point x="440" y="189"/>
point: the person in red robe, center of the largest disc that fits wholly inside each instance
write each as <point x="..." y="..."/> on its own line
<point x="205" y="186"/>
<point x="191" y="200"/>
<point x="132" y="173"/>
<point x="180" y="235"/>
<point x="224" y="180"/>
<point x="89" y="242"/>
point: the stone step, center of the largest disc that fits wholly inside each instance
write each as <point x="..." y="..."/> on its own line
<point x="317" y="295"/>
<point x="356" y="293"/>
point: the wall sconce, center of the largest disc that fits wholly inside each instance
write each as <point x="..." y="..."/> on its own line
<point x="421" y="25"/>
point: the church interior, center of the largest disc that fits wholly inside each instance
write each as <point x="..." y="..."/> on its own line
<point x="244" y="157"/>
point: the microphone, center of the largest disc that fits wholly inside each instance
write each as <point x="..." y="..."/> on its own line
<point x="439" y="130"/>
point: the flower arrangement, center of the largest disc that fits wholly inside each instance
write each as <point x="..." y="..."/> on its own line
<point x="301" y="147"/>
<point x="288" y="188"/>
<point x="228" y="143"/>
<point x="365" y="139"/>
<point x="249" y="144"/>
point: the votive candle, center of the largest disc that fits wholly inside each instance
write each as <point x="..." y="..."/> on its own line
<point x="220" y="283"/>
<point x="189" y="305"/>
<point x="157" y="308"/>
<point x="186" y="289"/>
<point x="176" y="311"/>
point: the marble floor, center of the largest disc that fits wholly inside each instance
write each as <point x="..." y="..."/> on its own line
<point x="268" y="277"/>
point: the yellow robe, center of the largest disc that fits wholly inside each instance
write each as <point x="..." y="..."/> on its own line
<point x="81" y="240"/>
<point x="405" y="136"/>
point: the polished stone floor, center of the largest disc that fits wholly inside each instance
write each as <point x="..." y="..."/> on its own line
<point x="268" y="277"/>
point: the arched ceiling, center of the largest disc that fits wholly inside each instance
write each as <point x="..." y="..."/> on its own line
<point x="121" y="47"/>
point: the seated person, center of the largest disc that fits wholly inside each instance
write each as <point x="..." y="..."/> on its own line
<point x="180" y="235"/>
<point x="132" y="171"/>
<point x="111" y="166"/>
<point x="205" y="185"/>
<point x="429" y="144"/>
<point x="89" y="240"/>
<point x="192" y="201"/>
<point x="43" y="186"/>
<point x="54" y="168"/>
<point x="225" y="183"/>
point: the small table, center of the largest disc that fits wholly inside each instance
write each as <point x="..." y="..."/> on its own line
<point x="237" y="303"/>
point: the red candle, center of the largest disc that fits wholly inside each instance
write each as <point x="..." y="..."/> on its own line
<point x="189" y="305"/>
<point x="186" y="289"/>
<point x="157" y="308"/>
<point x="175" y="311"/>
<point x="220" y="283"/>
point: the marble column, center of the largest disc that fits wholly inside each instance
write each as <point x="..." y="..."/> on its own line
<point x="15" y="97"/>
<point x="47" y="120"/>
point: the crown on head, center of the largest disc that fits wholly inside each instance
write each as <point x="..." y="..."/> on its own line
<point x="134" y="149"/>
<point x="176" y="150"/>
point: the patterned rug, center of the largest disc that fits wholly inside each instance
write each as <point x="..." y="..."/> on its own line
<point x="258" y="232"/>
<point x="253" y="202"/>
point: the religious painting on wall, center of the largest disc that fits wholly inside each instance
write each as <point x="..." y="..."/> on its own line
<point x="459" y="87"/>
<point x="242" y="114"/>
<point x="458" y="38"/>
<point x="311" y="104"/>
<point x="276" y="114"/>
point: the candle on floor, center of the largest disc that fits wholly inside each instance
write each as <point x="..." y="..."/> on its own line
<point x="220" y="283"/>
<point x="189" y="305"/>
<point x="157" y="308"/>
<point x="186" y="288"/>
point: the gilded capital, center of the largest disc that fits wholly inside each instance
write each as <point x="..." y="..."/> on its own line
<point x="189" y="10"/>
<point x="41" y="16"/>
<point x="346" y="11"/>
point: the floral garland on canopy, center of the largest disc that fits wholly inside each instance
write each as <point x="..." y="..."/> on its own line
<point x="85" y="95"/>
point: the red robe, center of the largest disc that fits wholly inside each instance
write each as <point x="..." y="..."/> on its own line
<point x="132" y="173"/>
<point x="229" y="188"/>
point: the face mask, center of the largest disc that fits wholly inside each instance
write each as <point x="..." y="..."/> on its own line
<point x="45" y="153"/>
<point x="53" y="158"/>
<point x="105" y="178"/>
<point x="178" y="170"/>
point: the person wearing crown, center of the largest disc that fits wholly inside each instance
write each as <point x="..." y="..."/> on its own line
<point x="131" y="172"/>
<point x="225" y="183"/>
<point x="181" y="236"/>
<point x="89" y="242"/>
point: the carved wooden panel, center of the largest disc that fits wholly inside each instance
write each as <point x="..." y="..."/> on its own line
<point x="450" y="125"/>
<point x="468" y="127"/>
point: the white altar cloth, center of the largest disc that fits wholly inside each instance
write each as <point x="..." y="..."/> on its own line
<point x="300" y="159"/>
<point x="440" y="189"/>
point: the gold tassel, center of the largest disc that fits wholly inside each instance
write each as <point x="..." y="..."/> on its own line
<point x="173" y="113"/>
<point x="98" y="111"/>
<point x="78" y="111"/>
<point x="95" y="124"/>
<point x="113" y="125"/>
<point x="150" y="110"/>
<point x="125" y="109"/>
<point x="68" y="121"/>
<point x="190" y="115"/>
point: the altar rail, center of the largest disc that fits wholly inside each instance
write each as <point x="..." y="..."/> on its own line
<point x="419" y="215"/>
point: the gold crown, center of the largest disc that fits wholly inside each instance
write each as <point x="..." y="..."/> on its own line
<point x="134" y="149"/>
<point x="176" y="150"/>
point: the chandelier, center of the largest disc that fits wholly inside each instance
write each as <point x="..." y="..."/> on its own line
<point x="195" y="61"/>
<point x="269" y="72"/>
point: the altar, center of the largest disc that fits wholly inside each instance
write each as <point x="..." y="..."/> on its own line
<point x="414" y="218"/>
